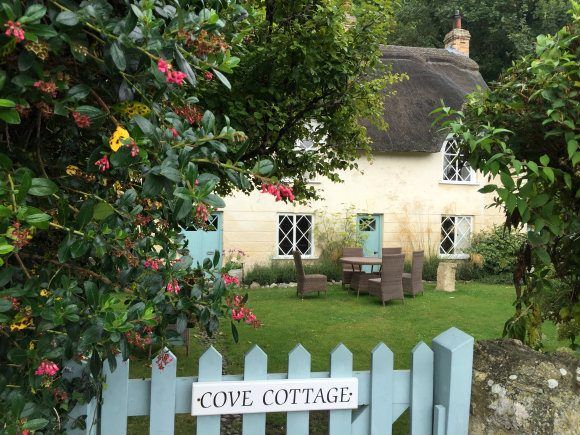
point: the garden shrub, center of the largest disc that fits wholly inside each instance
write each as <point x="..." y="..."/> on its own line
<point x="283" y="271"/>
<point x="496" y="249"/>
<point x="336" y="231"/>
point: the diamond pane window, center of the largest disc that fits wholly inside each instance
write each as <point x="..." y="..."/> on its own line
<point x="295" y="232"/>
<point x="210" y="225"/>
<point x="455" y="236"/>
<point x="367" y="224"/>
<point x="453" y="168"/>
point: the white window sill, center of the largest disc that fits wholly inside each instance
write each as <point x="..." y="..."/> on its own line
<point x="463" y="183"/>
<point x="454" y="256"/>
<point x="290" y="257"/>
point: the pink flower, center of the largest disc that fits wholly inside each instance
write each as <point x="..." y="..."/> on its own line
<point x="173" y="287"/>
<point x="46" y="87"/>
<point x="176" y="77"/>
<point x="238" y="314"/>
<point x="82" y="121"/>
<point x="201" y="213"/>
<point x="208" y="76"/>
<point x="279" y="191"/>
<point x="103" y="163"/>
<point x="228" y="279"/>
<point x="163" y="66"/>
<point x="47" y="368"/>
<point x="134" y="148"/>
<point x="174" y="132"/>
<point x="151" y="264"/>
<point x="14" y="29"/>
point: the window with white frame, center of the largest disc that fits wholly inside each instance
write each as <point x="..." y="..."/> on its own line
<point x="454" y="169"/>
<point x="295" y="232"/>
<point x="455" y="236"/>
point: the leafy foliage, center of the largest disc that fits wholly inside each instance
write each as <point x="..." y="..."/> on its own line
<point x="496" y="250"/>
<point x="284" y="271"/>
<point x="335" y="231"/>
<point x="501" y="31"/>
<point x="524" y="133"/>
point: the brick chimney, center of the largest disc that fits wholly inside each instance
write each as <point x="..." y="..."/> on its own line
<point x="458" y="38"/>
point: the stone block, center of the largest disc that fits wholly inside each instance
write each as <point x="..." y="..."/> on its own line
<point x="446" y="276"/>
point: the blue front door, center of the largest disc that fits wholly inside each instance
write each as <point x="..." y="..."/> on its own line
<point x="370" y="226"/>
<point x="204" y="242"/>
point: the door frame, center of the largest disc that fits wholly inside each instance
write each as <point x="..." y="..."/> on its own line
<point x="379" y="217"/>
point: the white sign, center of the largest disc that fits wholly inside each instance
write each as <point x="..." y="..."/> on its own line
<point x="245" y="397"/>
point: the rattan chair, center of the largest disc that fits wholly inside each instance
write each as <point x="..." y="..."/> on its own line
<point x="390" y="285"/>
<point x="391" y="251"/>
<point x="349" y="270"/>
<point x="308" y="283"/>
<point x="413" y="282"/>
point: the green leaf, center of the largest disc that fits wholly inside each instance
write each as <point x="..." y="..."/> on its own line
<point x="2" y="78"/>
<point x="10" y="116"/>
<point x="549" y="173"/>
<point x="533" y="166"/>
<point x="214" y="201"/>
<point x="118" y="56"/>
<point x="7" y="103"/>
<point x="544" y="160"/>
<point x="35" y="424"/>
<point x="33" y="13"/>
<point x="78" y="92"/>
<point x="186" y="68"/>
<point x="488" y="188"/>
<point x="572" y="147"/>
<point x="208" y="121"/>
<point x="171" y="174"/>
<point x="39" y="220"/>
<point x="6" y="249"/>
<point x="5" y="305"/>
<point x="145" y="125"/>
<point x="102" y="211"/>
<point x="235" y="334"/>
<point x="264" y="167"/>
<point x="42" y="187"/>
<point x="85" y="214"/>
<point x="67" y="18"/>
<point x="79" y="248"/>
<point x="91" y="111"/>
<point x="543" y="255"/>
<point x="42" y="30"/>
<point x="222" y="78"/>
<point x="138" y="12"/>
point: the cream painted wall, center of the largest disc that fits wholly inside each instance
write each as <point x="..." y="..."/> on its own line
<point x="405" y="188"/>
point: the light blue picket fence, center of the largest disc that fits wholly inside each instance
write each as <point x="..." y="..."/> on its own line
<point x="436" y="389"/>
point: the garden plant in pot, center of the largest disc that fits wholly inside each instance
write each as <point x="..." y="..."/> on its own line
<point x="234" y="263"/>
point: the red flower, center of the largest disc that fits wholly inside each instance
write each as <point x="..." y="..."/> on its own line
<point x="14" y="29"/>
<point x="279" y="191"/>
<point x="174" y="132"/>
<point x="82" y="121"/>
<point x="208" y="75"/>
<point x="163" y="66"/>
<point x="47" y="368"/>
<point x="176" y="77"/>
<point x="173" y="287"/>
<point x="46" y="87"/>
<point x="103" y="163"/>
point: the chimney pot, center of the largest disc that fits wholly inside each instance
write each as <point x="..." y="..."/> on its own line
<point x="457" y="19"/>
<point x="458" y="38"/>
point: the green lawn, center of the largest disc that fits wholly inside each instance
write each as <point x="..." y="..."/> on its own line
<point x="320" y="323"/>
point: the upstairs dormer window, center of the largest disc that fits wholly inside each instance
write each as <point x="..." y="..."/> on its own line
<point x="454" y="169"/>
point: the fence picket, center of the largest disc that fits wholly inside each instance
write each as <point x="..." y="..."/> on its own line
<point x="381" y="406"/>
<point x="421" y="390"/>
<point x="452" y="364"/>
<point x="297" y="423"/>
<point x="210" y="369"/>
<point x="340" y="367"/>
<point x="84" y="411"/>
<point x="255" y="369"/>
<point x="439" y="420"/>
<point x="115" y="398"/>
<point x="162" y="409"/>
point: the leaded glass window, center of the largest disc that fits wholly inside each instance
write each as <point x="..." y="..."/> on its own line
<point x="455" y="236"/>
<point x="295" y="232"/>
<point x="454" y="168"/>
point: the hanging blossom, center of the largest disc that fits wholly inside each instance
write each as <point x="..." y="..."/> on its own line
<point x="171" y="75"/>
<point x="241" y="312"/>
<point x="134" y="148"/>
<point x="279" y="191"/>
<point x="14" y="29"/>
<point x="173" y="287"/>
<point x="103" y="163"/>
<point x="152" y="264"/>
<point x="201" y="212"/>
<point x="47" y="368"/>
<point x="48" y="88"/>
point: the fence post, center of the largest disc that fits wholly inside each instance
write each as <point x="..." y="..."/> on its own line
<point x="381" y="390"/>
<point x="421" y="406"/>
<point x="255" y="369"/>
<point x="210" y="369"/>
<point x="88" y="410"/>
<point x="162" y="405"/>
<point x="340" y="420"/>
<point x="298" y="368"/>
<point x="115" y="397"/>
<point x="453" y="366"/>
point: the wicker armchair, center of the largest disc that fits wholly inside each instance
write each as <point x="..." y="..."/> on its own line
<point x="413" y="282"/>
<point x="390" y="284"/>
<point x="347" y="270"/>
<point x="308" y="283"/>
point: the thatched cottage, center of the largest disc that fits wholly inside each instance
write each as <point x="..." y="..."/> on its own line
<point x="413" y="193"/>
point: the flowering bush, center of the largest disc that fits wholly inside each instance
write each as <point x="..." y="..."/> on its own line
<point x="108" y="150"/>
<point x="233" y="259"/>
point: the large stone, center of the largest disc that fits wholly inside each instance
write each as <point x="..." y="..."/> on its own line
<point x="446" y="276"/>
<point x="254" y="285"/>
<point x="517" y="390"/>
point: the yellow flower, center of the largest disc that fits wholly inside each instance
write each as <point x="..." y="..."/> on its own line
<point x="130" y="109"/>
<point x="44" y="293"/>
<point x="73" y="170"/>
<point x="31" y="345"/>
<point x="20" y="322"/>
<point x="116" y="139"/>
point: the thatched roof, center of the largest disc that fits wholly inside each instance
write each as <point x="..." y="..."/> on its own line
<point x="434" y="74"/>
